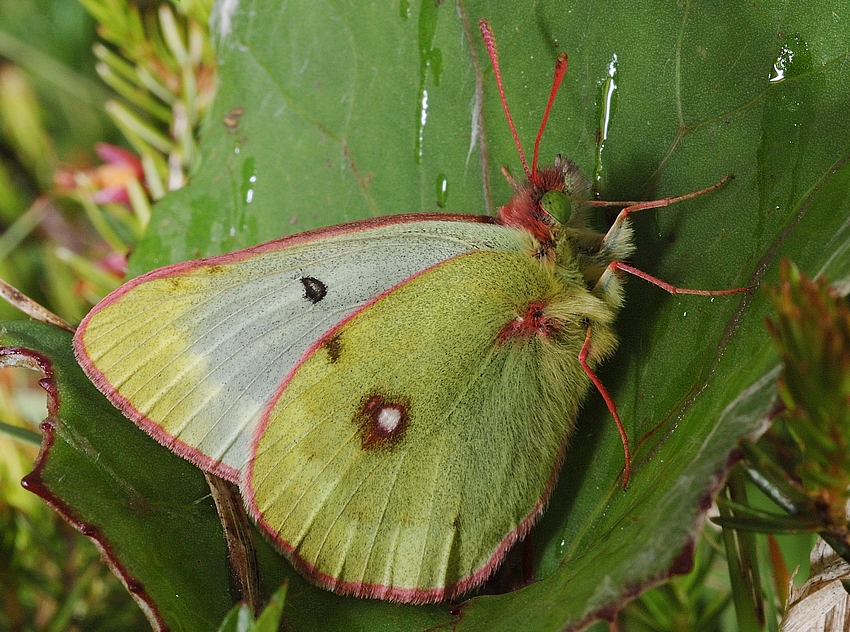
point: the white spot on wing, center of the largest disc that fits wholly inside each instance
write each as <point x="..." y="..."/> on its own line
<point x="388" y="419"/>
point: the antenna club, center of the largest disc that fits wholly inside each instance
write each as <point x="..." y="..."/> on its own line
<point x="487" y="33"/>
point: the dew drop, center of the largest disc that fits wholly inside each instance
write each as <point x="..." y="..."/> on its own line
<point x="794" y="58"/>
<point x="561" y="548"/>
<point x="249" y="179"/>
<point x="423" y="118"/>
<point x="442" y="189"/>
<point x="429" y="59"/>
<point x="608" y="103"/>
<point x="786" y="56"/>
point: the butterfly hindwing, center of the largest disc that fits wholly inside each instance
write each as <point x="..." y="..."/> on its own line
<point x="419" y="439"/>
<point x="194" y="352"/>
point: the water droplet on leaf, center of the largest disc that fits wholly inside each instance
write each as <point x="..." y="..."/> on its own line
<point x="442" y="189"/>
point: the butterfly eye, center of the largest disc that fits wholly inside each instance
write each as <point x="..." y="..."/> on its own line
<point x="557" y="204"/>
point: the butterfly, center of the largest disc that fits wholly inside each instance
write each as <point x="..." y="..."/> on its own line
<point x="393" y="396"/>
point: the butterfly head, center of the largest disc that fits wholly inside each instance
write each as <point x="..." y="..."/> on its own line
<point x="551" y="197"/>
<point x="556" y="198"/>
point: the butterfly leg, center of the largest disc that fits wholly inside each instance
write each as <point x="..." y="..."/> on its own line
<point x="612" y="407"/>
<point x="634" y="207"/>
<point x="668" y="287"/>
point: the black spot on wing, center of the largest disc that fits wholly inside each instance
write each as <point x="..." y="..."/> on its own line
<point x="314" y="290"/>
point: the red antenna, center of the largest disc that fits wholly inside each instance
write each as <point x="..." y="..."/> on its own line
<point x="560" y="70"/>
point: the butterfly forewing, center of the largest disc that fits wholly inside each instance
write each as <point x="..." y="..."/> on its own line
<point x="195" y="352"/>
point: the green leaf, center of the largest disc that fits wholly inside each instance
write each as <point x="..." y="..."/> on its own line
<point x="94" y="469"/>
<point x="269" y="619"/>
<point x="240" y="618"/>
<point x="332" y="131"/>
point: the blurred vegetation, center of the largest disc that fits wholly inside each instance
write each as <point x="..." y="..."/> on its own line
<point x="99" y="105"/>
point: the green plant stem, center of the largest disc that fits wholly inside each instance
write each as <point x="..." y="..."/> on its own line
<point x="52" y="71"/>
<point x="132" y="93"/>
<point x="22" y="434"/>
<point x="743" y="563"/>
<point x="22" y="227"/>
<point x="134" y="128"/>
<point x="87" y="269"/>
<point x="61" y="620"/>
<point x="97" y="219"/>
